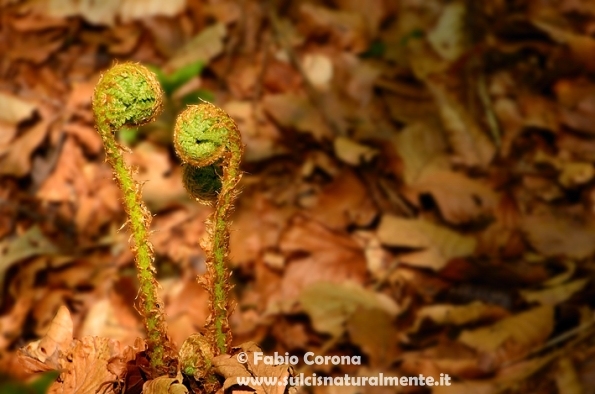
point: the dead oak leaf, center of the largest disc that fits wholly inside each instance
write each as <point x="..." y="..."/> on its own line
<point x="258" y="133"/>
<point x="66" y="181"/>
<point x="511" y="337"/>
<point x="165" y="385"/>
<point x="466" y="138"/>
<point x="12" y="322"/>
<point x="14" y="109"/>
<point x="341" y="301"/>
<point x="457" y="315"/>
<point x="296" y="111"/>
<point x="138" y="9"/>
<point x="50" y="349"/>
<point x="17" y="162"/>
<point x="352" y="152"/>
<point x="86" y="367"/>
<point x="438" y="244"/>
<point x="36" y="48"/>
<point x="382" y="347"/>
<point x="346" y="29"/>
<point x="343" y="202"/>
<point x="460" y="199"/>
<point x="315" y="254"/>
<point x="548" y="232"/>
<point x="554" y="295"/>
<point x="204" y="47"/>
<point x="257" y="225"/>
<point x="275" y="378"/>
<point x="581" y="46"/>
<point x="446" y="357"/>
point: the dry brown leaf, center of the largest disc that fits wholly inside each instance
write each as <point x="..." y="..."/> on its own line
<point x="331" y="257"/>
<point x="87" y="367"/>
<point x="554" y="295"/>
<point x="8" y="132"/>
<point x="228" y="366"/>
<point x="421" y="146"/>
<point x="373" y="12"/>
<point x="50" y="349"/>
<point x="343" y="202"/>
<point x="87" y="136"/>
<point x="352" y="152"/>
<point x="412" y="107"/>
<point x="226" y="11"/>
<point x="162" y="183"/>
<point x="112" y="318"/>
<point x="341" y="303"/>
<point x="261" y="137"/>
<point x="467" y="139"/>
<point x="423" y="60"/>
<point x="363" y="76"/>
<point x="12" y="322"/>
<point x="446" y="357"/>
<point x="582" y="47"/>
<point x="165" y="385"/>
<point x="139" y="9"/>
<point x="569" y="270"/>
<point x="571" y="173"/>
<point x="511" y="120"/>
<point x="513" y="336"/>
<point x="31" y="243"/>
<point x="347" y="29"/>
<point x="296" y="111"/>
<point x="577" y="100"/>
<point x="439" y="244"/>
<point x="13" y="109"/>
<point x="318" y="69"/>
<point x="203" y="48"/>
<point x="457" y="314"/>
<point x="447" y="37"/>
<point x="80" y="96"/>
<point x="36" y="48"/>
<point x="382" y="346"/>
<point x="66" y="181"/>
<point x="547" y="231"/>
<point x="460" y="199"/>
<point x="103" y="12"/>
<point x="256" y="226"/>
<point x="567" y="379"/>
<point x="33" y="22"/>
<point x="506" y="379"/>
<point x="17" y="162"/>
<point x="177" y="234"/>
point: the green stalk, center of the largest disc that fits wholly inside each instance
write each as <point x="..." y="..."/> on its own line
<point x="209" y="144"/>
<point x="129" y="94"/>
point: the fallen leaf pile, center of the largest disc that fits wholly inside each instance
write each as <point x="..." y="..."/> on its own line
<point x="419" y="191"/>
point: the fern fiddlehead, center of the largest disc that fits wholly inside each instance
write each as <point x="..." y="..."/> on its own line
<point x="209" y="144"/>
<point x="128" y="94"/>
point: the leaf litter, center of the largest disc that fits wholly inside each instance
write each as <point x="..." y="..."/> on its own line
<point x="418" y="191"/>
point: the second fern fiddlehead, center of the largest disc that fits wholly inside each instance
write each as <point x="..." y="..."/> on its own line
<point x="129" y="94"/>
<point x="209" y="144"/>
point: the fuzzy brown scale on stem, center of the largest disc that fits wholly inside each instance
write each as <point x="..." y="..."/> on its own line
<point x="206" y="136"/>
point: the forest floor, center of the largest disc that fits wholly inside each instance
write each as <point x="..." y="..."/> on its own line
<point x="419" y="187"/>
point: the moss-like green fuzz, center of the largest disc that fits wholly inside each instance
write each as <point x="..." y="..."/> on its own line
<point x="204" y="136"/>
<point x="129" y="94"/>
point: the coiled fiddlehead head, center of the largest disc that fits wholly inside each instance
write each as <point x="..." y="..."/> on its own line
<point x="209" y="144"/>
<point x="129" y="94"/>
